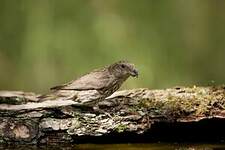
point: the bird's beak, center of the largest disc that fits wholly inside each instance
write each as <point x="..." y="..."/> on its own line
<point x="134" y="73"/>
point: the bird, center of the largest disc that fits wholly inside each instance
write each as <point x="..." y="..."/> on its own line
<point x="105" y="81"/>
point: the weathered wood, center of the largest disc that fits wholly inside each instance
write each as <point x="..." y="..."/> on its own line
<point x="25" y="118"/>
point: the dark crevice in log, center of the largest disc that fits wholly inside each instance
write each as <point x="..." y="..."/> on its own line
<point x="209" y="131"/>
<point x="56" y="113"/>
<point x="53" y="137"/>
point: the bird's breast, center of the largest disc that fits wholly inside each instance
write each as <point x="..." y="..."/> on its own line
<point x="113" y="86"/>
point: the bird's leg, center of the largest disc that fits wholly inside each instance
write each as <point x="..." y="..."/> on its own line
<point x="96" y="109"/>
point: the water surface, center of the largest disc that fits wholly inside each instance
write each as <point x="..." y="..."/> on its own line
<point x="154" y="146"/>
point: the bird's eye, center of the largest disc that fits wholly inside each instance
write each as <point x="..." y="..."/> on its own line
<point x="123" y="66"/>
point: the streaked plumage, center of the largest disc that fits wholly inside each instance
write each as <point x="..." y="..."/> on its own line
<point x="105" y="80"/>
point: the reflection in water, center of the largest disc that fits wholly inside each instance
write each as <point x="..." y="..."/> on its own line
<point x="118" y="147"/>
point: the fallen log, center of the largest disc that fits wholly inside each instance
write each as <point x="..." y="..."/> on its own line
<point x="27" y="119"/>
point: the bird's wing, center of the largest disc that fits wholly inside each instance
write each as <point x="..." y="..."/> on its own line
<point x="93" y="81"/>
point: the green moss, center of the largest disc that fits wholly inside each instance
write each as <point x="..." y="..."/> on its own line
<point x="185" y="101"/>
<point x="121" y="128"/>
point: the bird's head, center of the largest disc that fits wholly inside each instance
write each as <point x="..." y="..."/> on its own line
<point x="123" y="69"/>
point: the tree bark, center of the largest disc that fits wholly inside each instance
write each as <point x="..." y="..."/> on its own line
<point x="27" y="118"/>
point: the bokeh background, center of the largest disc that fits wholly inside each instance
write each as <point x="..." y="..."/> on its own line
<point x="48" y="42"/>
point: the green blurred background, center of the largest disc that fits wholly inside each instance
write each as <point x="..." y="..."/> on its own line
<point x="48" y="42"/>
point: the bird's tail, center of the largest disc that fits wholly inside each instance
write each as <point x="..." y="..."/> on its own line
<point x="58" y="87"/>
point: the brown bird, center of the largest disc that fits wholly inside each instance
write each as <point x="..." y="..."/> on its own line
<point x="95" y="86"/>
<point x="106" y="80"/>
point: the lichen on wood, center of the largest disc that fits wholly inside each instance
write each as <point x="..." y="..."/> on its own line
<point x="25" y="118"/>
